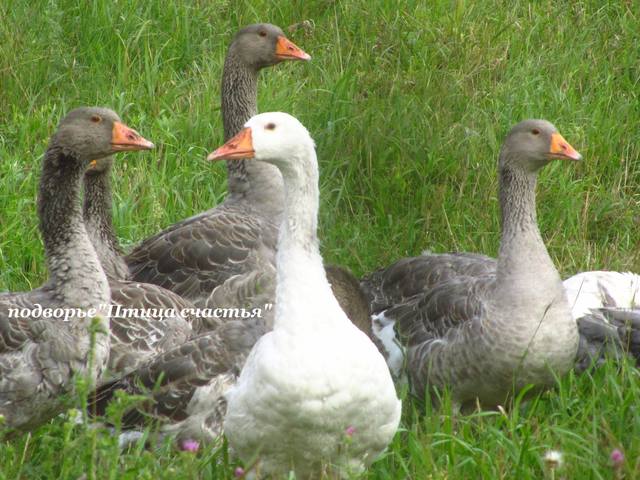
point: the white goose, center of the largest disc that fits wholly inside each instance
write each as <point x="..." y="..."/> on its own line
<point x="315" y="376"/>
<point x="598" y="289"/>
<point x="606" y="306"/>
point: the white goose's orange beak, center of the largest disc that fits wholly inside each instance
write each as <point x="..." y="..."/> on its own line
<point x="560" y="148"/>
<point x="287" y="50"/>
<point x="237" y="148"/>
<point x="125" y="139"/>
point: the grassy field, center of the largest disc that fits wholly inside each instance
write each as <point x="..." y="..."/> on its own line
<point x="408" y="103"/>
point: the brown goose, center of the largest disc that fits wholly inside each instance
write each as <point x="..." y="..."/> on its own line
<point x="351" y="297"/>
<point x="238" y="237"/>
<point x="39" y="356"/>
<point x="479" y="327"/>
<point x="135" y="337"/>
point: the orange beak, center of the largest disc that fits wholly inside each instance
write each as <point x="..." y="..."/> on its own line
<point x="125" y="139"/>
<point x="560" y="148"/>
<point x="287" y="50"/>
<point x="237" y="148"/>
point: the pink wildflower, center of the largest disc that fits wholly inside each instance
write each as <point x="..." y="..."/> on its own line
<point x="617" y="457"/>
<point x="190" y="445"/>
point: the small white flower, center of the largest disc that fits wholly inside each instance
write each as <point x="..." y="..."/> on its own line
<point x="553" y="459"/>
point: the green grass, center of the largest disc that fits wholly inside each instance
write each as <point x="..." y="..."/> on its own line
<point x="408" y="103"/>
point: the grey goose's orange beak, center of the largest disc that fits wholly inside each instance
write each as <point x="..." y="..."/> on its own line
<point x="561" y="149"/>
<point x="287" y="50"/>
<point x="237" y="148"/>
<point x="125" y="139"/>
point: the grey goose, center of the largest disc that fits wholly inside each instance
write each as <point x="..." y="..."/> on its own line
<point x="145" y="319"/>
<point x="237" y="237"/>
<point x="486" y="328"/>
<point x="224" y="257"/>
<point x="39" y="356"/>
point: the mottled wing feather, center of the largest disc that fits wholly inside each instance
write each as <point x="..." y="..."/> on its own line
<point x="135" y="338"/>
<point x="255" y="289"/>
<point x="16" y="331"/>
<point x="38" y="358"/>
<point x="449" y="313"/>
<point x="173" y="377"/>
<point x="627" y="323"/>
<point x="439" y="312"/>
<point x="599" y="340"/>
<point x="412" y="276"/>
<point x="196" y="255"/>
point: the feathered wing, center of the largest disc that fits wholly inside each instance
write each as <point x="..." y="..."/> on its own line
<point x="448" y="313"/>
<point x="412" y="276"/>
<point x="137" y="338"/>
<point x="441" y="310"/>
<point x="400" y="288"/>
<point x="16" y="331"/>
<point x="38" y="358"/>
<point x="251" y="289"/>
<point x="608" y="333"/>
<point x="189" y="380"/>
<point x="194" y="256"/>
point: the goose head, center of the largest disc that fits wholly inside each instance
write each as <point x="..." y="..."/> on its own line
<point x="532" y="144"/>
<point x="89" y="133"/>
<point x="274" y="137"/>
<point x="262" y="45"/>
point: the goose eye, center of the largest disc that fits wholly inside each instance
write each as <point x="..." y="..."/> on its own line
<point x="262" y="33"/>
<point x="96" y="118"/>
<point x="535" y="131"/>
<point x="270" y="126"/>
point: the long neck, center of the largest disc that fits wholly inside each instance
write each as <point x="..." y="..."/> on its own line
<point x="97" y="213"/>
<point x="75" y="272"/>
<point x="302" y="290"/>
<point x="258" y="183"/>
<point x="523" y="255"/>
